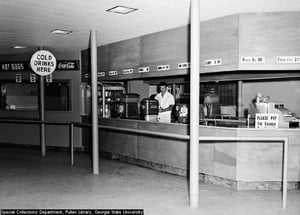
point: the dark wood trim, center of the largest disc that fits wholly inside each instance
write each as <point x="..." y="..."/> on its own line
<point x="249" y="75"/>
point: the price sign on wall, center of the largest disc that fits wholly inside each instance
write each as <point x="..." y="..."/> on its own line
<point x="288" y="59"/>
<point x="263" y="120"/>
<point x="18" y="78"/>
<point x="32" y="78"/>
<point x="43" y="63"/>
<point x="49" y="78"/>
<point x="213" y="62"/>
<point x="253" y="59"/>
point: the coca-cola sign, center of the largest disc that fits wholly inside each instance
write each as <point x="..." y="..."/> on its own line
<point x="67" y="65"/>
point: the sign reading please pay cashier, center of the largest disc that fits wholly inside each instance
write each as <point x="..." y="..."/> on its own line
<point x="264" y="120"/>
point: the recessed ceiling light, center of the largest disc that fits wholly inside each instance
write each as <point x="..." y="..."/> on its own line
<point x="19" y="47"/>
<point x="121" y="9"/>
<point x="61" y="32"/>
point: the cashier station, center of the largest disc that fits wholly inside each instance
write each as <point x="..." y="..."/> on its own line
<point x="287" y="119"/>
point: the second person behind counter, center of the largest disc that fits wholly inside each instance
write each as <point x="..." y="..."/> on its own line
<point x="165" y="103"/>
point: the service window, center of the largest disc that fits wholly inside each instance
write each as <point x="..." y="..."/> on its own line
<point x="57" y="96"/>
<point x="19" y="96"/>
<point x="227" y="92"/>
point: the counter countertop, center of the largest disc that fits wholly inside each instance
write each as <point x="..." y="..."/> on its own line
<point x="186" y="125"/>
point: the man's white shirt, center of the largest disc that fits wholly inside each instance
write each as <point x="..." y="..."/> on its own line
<point x="164" y="102"/>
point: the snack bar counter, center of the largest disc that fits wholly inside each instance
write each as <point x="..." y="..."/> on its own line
<point x="238" y="165"/>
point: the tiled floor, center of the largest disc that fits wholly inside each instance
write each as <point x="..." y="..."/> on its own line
<point x="30" y="181"/>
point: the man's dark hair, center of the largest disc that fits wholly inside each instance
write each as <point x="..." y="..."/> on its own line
<point x="163" y="84"/>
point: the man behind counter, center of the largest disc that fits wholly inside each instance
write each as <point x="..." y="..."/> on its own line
<point x="165" y="103"/>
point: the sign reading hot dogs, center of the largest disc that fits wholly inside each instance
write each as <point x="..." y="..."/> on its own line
<point x="43" y="63"/>
<point x="14" y="66"/>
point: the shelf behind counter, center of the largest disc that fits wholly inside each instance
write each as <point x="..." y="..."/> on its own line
<point x="238" y="165"/>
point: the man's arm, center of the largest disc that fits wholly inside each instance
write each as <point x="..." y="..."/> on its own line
<point x="166" y="109"/>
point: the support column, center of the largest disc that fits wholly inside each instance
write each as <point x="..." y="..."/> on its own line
<point x="194" y="102"/>
<point x="42" y="116"/>
<point x="94" y="84"/>
<point x="240" y="98"/>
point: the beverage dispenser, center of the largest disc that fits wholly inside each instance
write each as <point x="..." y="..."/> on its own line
<point x="109" y="94"/>
<point x="128" y="106"/>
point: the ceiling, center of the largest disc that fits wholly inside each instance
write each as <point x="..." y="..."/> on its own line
<point x="28" y="22"/>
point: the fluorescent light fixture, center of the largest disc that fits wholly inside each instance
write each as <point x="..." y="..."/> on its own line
<point x="61" y="32"/>
<point x="19" y="47"/>
<point x="121" y="9"/>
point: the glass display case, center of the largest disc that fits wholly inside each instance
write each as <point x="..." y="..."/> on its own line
<point x="25" y="96"/>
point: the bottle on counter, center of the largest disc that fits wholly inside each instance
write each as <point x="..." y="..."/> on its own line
<point x="107" y="113"/>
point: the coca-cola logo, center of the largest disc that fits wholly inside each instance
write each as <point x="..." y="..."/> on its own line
<point x="66" y="65"/>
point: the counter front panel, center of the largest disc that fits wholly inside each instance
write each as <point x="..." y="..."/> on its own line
<point x="240" y="165"/>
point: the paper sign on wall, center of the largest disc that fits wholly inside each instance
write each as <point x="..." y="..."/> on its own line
<point x="49" y="78"/>
<point x="127" y="71"/>
<point x="32" y="78"/>
<point x="112" y="73"/>
<point x="288" y="59"/>
<point x="264" y="120"/>
<point x="213" y="62"/>
<point x="18" y="78"/>
<point x="99" y="74"/>
<point x="144" y="69"/>
<point x="253" y="59"/>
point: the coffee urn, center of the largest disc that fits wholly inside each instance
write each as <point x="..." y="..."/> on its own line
<point x="149" y="109"/>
